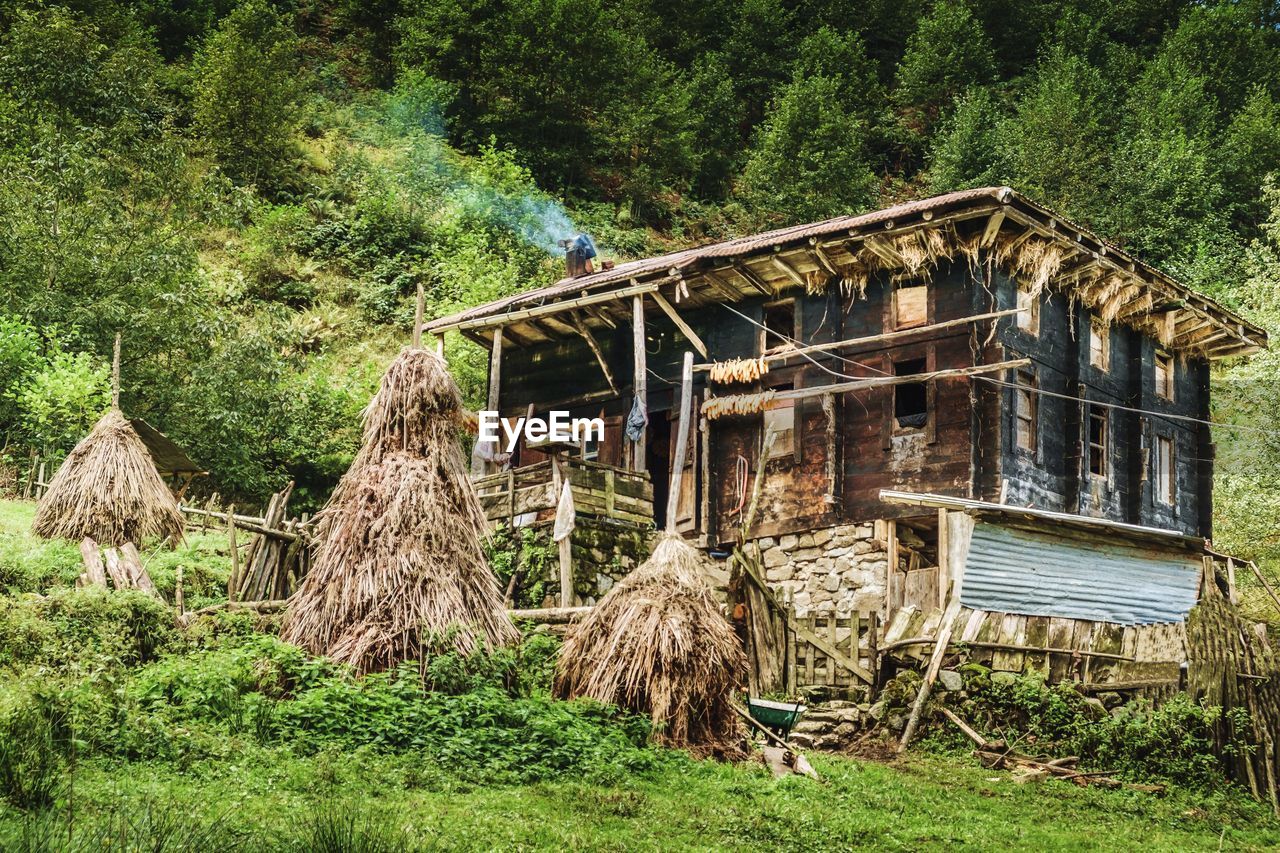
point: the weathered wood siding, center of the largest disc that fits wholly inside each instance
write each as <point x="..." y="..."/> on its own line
<point x="1057" y="476"/>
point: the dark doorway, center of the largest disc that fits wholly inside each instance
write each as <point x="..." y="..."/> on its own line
<point x="658" y="456"/>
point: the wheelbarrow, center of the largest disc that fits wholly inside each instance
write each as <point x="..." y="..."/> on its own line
<point x="778" y="717"/>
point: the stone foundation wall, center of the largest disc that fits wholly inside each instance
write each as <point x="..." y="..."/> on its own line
<point x="603" y="553"/>
<point x="835" y="571"/>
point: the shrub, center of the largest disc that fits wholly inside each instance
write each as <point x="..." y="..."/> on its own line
<point x="35" y="743"/>
<point x="1172" y="742"/>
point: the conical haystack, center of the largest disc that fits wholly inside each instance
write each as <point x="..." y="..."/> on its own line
<point x="108" y="490"/>
<point x="657" y="644"/>
<point x="399" y="554"/>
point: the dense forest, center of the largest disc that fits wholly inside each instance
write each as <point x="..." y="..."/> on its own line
<point x="251" y="192"/>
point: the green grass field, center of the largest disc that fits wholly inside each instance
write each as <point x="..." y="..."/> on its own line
<point x="178" y="761"/>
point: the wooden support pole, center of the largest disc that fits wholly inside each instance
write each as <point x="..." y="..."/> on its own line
<point x="179" y="597"/>
<point x="886" y="338"/>
<point x="682" y="440"/>
<point x="440" y="345"/>
<point x="640" y="378"/>
<point x="1262" y="579"/>
<point x="564" y="548"/>
<point x="417" y="318"/>
<point x="685" y="328"/>
<point x="495" y="370"/>
<point x="931" y="674"/>
<point x="233" y="581"/>
<point x="94" y="569"/>
<point x="883" y="381"/>
<point x="115" y="373"/>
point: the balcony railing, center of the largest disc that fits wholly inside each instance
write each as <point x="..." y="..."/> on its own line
<point x="529" y="493"/>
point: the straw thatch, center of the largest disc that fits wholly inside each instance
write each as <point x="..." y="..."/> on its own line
<point x="399" y="558"/>
<point x="657" y="644"/>
<point x="108" y="490"/>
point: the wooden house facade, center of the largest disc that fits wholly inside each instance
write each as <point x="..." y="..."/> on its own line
<point x="974" y="346"/>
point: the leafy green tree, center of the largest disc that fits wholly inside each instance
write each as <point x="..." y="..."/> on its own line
<point x="1058" y="139"/>
<point x="19" y="358"/>
<point x="246" y="98"/>
<point x="967" y="149"/>
<point x="717" y="132"/>
<point x="807" y="161"/>
<point x="61" y="401"/>
<point x="948" y="53"/>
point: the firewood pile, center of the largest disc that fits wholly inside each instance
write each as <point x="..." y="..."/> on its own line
<point x="278" y="554"/>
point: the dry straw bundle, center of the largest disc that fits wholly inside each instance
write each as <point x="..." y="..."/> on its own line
<point x="399" y="558"/>
<point x="108" y="490"/>
<point x="657" y="644"/>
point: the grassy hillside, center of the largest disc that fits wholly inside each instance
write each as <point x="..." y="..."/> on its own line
<point x="113" y="725"/>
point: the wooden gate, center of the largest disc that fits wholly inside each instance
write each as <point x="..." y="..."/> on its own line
<point x="787" y="653"/>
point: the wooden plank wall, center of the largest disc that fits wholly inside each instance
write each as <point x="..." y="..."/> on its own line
<point x="1145" y="658"/>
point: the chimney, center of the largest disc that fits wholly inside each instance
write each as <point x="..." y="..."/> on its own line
<point x="578" y="252"/>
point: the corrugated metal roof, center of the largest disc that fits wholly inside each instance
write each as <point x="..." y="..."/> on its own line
<point x="682" y="260"/>
<point x="1044" y="516"/>
<point x="1039" y="574"/>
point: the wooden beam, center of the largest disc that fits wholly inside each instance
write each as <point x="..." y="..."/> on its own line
<point x="595" y="349"/>
<point x="883" y="250"/>
<point x="822" y="258"/>
<point x="682" y="441"/>
<point x="601" y="315"/>
<point x="555" y="324"/>
<point x="789" y="271"/>
<point x="506" y="318"/>
<point x="640" y="377"/>
<point x="684" y="327"/>
<point x="727" y="291"/>
<point x="417" y="318"/>
<point x="992" y="229"/>
<point x="886" y="338"/>
<point x="752" y="278"/>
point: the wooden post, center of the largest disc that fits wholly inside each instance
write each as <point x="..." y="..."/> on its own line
<point x="640" y="380"/>
<point x="564" y="548"/>
<point x="41" y="481"/>
<point x="417" y="319"/>
<point x="440" y="345"/>
<point x="115" y="374"/>
<point x="495" y="370"/>
<point x="179" y="599"/>
<point x="682" y="441"/>
<point x="233" y="582"/>
<point x="944" y="561"/>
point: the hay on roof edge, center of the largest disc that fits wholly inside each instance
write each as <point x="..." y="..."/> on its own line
<point x="108" y="490"/>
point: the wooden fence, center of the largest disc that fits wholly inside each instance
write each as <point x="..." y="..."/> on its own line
<point x="598" y="489"/>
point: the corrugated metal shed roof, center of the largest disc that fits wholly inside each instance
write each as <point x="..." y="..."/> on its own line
<point x="986" y="509"/>
<point x="1038" y="574"/>
<point x="623" y="274"/>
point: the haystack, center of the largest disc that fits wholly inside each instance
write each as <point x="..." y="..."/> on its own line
<point x="399" y="557"/>
<point x="108" y="489"/>
<point x="658" y="645"/>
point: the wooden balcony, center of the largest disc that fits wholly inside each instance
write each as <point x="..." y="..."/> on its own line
<point x="530" y="493"/>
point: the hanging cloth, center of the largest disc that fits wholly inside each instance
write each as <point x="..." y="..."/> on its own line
<point x="566" y="516"/>
<point x="637" y="420"/>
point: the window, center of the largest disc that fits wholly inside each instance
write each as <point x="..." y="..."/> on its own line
<point x="779" y="325"/>
<point x="1024" y="411"/>
<point x="911" y="399"/>
<point x="780" y="419"/>
<point x="1099" y="345"/>
<point x="1099" y="442"/>
<point x="1164" y="375"/>
<point x="910" y="306"/>
<point x="1164" y="470"/>
<point x="1029" y="311"/>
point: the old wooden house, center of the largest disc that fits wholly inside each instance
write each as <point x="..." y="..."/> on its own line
<point x="963" y="400"/>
